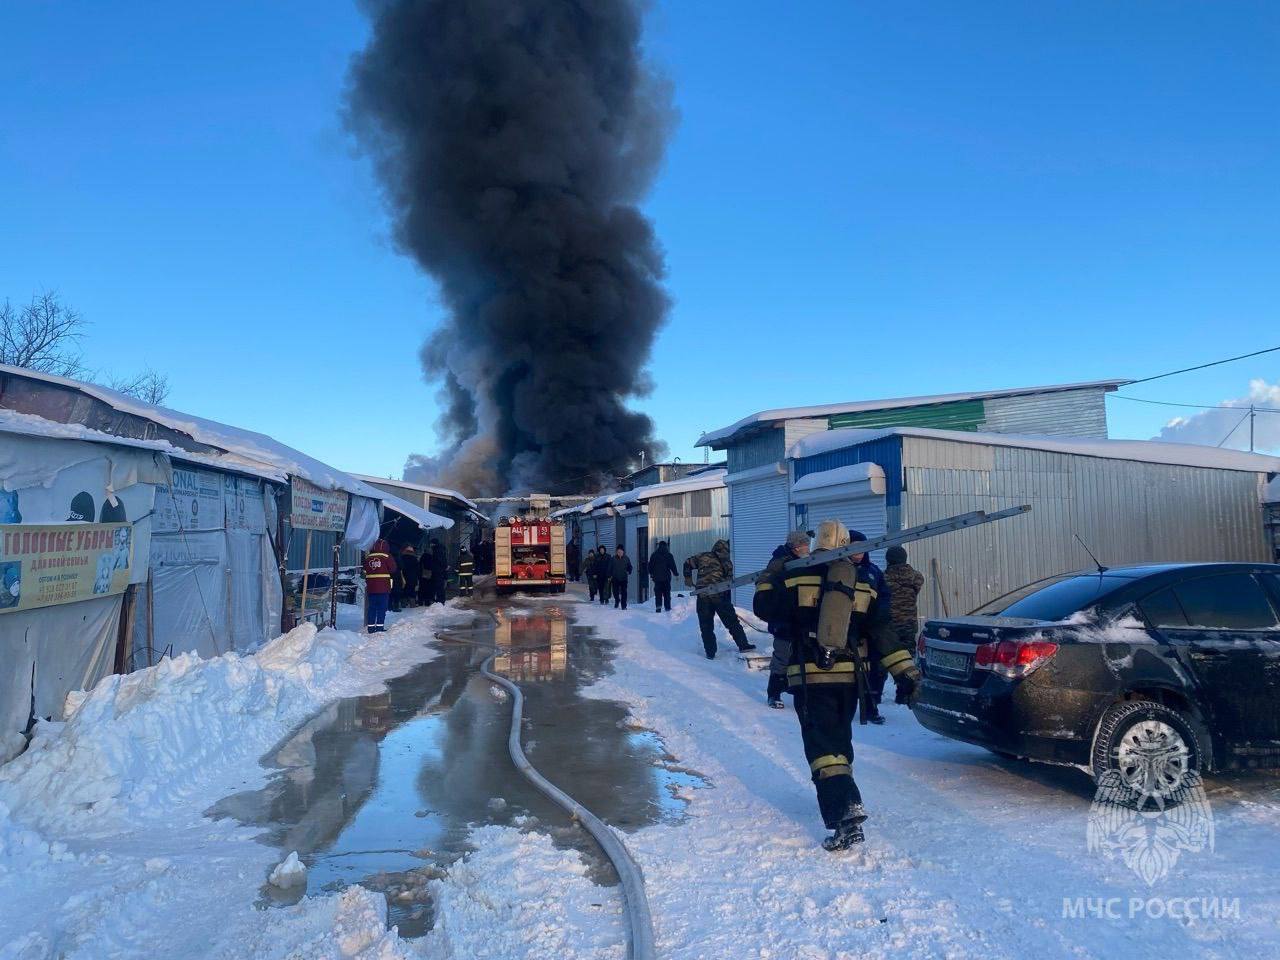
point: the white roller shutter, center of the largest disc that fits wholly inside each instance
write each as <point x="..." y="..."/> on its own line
<point x="758" y="522"/>
<point x="864" y="514"/>
<point x="607" y="533"/>
<point x="854" y="495"/>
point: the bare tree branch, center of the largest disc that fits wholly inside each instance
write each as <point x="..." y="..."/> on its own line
<point x="44" y="335"/>
<point x="148" y="386"/>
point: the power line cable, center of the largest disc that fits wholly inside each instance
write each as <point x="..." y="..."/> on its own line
<point x="1202" y="366"/>
<point x="1247" y="415"/>
<point x="1197" y="406"/>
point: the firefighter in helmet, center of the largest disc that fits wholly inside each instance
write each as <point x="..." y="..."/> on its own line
<point x="833" y="612"/>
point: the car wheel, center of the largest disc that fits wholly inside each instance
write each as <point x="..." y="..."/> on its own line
<point x="1146" y="748"/>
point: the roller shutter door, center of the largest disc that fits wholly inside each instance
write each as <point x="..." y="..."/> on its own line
<point x="865" y="514"/>
<point x="607" y="533"/>
<point x="759" y="522"/>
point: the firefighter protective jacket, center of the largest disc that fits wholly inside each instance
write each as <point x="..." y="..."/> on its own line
<point x="847" y="590"/>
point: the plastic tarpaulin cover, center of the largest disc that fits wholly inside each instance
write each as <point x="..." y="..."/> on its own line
<point x="362" y="525"/>
<point x="40" y="638"/>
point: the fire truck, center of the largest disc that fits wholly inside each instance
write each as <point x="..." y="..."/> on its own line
<point x="529" y="555"/>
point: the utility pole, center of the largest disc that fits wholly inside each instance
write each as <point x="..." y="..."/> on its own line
<point x="1252" y="415"/>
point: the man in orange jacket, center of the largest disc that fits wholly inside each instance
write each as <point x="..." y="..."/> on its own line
<point x="379" y="569"/>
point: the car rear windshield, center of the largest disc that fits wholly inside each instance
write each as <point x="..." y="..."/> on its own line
<point x="1060" y="600"/>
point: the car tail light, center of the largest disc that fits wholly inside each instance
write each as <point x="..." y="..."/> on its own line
<point x="920" y="644"/>
<point x="1013" y="658"/>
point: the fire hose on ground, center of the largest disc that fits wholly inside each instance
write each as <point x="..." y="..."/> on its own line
<point x="635" y="901"/>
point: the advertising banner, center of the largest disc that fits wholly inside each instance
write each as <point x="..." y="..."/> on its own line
<point x="61" y="563"/>
<point x="316" y="509"/>
<point x="194" y="502"/>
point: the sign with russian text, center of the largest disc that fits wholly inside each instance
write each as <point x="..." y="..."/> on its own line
<point x="61" y="563"/>
<point x="317" y="509"/>
<point x="192" y="502"/>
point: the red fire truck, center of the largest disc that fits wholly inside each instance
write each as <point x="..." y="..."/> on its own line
<point x="529" y="555"/>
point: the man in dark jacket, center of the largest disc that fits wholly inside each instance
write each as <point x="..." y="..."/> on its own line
<point x="620" y="577"/>
<point x="571" y="559"/>
<point x="589" y="573"/>
<point x="439" y="570"/>
<point x="772" y="582"/>
<point x="604" y="581"/>
<point x="410" y="571"/>
<point x="662" y="567"/>
<point x="904" y="583"/>
<point x="712" y="567"/>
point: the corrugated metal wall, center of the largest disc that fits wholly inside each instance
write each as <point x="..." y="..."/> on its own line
<point x="793" y="431"/>
<point x="756" y="451"/>
<point x="761" y="517"/>
<point x="1070" y="413"/>
<point x="1127" y="512"/>
<point x="687" y="535"/>
<point x="887" y="452"/>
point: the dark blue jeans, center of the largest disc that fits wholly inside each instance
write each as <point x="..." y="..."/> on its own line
<point x="378" y="603"/>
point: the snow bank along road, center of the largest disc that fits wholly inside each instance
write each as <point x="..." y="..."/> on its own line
<point x="104" y="847"/>
<point x="105" y="850"/>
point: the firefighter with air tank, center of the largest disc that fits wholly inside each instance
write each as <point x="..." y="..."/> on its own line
<point x="834" y="614"/>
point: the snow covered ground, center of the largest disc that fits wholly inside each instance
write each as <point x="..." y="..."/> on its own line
<point x="967" y="855"/>
<point x="105" y="850"/>
<point x="104" y="847"/>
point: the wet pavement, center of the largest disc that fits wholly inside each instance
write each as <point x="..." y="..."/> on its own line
<point x="383" y="790"/>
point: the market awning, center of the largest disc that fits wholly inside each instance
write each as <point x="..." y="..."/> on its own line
<point x="421" y="516"/>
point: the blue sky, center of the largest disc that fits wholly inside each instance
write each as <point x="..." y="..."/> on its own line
<point x="927" y="197"/>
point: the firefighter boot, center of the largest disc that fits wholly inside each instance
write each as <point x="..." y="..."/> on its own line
<point x="848" y="831"/>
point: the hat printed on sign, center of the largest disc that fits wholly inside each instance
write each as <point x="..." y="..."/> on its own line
<point x="112" y="512"/>
<point x="81" y="508"/>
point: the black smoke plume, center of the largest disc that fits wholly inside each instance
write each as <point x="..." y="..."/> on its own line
<point x="513" y="140"/>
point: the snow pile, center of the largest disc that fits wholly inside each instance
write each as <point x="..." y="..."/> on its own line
<point x="289" y="872"/>
<point x="348" y="926"/>
<point x="119" y="792"/>
<point x="517" y="896"/>
<point x="138" y="743"/>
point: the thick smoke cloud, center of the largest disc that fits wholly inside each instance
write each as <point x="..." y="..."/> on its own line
<point x="513" y="142"/>
<point x="1210" y="427"/>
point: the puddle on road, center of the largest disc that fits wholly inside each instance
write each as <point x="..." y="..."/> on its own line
<point x="383" y="790"/>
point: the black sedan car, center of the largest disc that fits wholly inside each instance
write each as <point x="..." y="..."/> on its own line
<point x="1109" y="669"/>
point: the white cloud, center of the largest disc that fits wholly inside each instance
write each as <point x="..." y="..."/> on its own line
<point x="1210" y="426"/>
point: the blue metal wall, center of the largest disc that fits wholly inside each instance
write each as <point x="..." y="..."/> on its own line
<point x="887" y="452"/>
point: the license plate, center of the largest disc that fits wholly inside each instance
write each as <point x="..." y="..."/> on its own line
<point x="946" y="660"/>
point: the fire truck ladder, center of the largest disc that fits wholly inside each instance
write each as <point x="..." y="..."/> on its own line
<point x="910" y="535"/>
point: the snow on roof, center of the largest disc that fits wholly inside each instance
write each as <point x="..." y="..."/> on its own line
<point x="1142" y="451"/>
<point x="851" y="473"/>
<point x="709" y="480"/>
<point x="423" y="488"/>
<point x="863" y="406"/>
<point x="30" y="425"/>
<point x="246" y="447"/>
<point x="422" y="517"/>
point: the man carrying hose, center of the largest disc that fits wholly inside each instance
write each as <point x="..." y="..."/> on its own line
<point x="831" y="610"/>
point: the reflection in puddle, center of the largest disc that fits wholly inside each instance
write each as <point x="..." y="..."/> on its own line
<point x="383" y="790"/>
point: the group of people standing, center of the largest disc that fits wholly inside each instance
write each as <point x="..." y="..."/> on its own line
<point x="608" y="577"/>
<point x="393" y="583"/>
